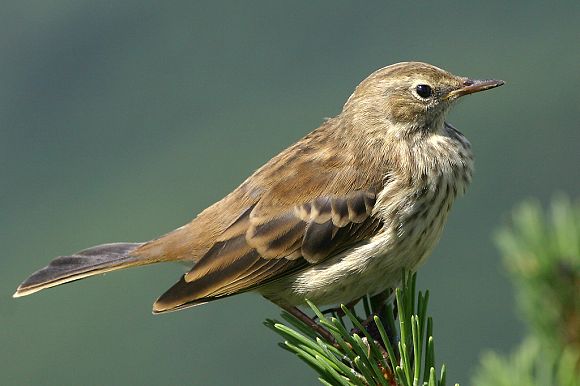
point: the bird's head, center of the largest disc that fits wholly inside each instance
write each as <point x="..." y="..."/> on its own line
<point x="410" y="97"/>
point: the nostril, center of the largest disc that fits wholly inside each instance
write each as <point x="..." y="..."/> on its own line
<point x="467" y="82"/>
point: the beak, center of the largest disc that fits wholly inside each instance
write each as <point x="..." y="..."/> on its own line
<point x="470" y="86"/>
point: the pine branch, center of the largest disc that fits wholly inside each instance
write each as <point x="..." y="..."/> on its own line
<point x="542" y="255"/>
<point x="373" y="350"/>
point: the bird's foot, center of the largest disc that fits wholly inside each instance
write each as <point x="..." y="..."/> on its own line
<point x="310" y="322"/>
<point x="370" y="325"/>
<point x="338" y="311"/>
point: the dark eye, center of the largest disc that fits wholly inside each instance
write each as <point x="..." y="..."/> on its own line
<point x="424" y="91"/>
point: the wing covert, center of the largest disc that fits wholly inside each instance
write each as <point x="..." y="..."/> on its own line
<point x="260" y="249"/>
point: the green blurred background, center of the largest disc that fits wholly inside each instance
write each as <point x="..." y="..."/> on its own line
<point x="120" y="121"/>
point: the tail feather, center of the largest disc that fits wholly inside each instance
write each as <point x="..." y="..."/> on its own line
<point x="88" y="262"/>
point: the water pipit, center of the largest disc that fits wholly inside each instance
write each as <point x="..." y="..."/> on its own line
<point x="335" y="216"/>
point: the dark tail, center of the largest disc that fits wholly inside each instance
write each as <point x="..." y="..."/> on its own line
<point x="89" y="262"/>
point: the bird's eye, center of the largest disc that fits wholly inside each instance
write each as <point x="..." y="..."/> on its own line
<point x="424" y="91"/>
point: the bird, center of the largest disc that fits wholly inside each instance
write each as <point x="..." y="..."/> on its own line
<point x="335" y="216"/>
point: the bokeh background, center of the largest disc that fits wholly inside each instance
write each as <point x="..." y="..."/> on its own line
<point x="120" y="121"/>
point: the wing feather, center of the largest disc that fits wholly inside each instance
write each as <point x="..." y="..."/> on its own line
<point x="269" y="249"/>
<point x="307" y="204"/>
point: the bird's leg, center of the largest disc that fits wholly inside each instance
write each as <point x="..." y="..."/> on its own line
<point x="298" y="314"/>
<point x="378" y="305"/>
<point x="338" y="310"/>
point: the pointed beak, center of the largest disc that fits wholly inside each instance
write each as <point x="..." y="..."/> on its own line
<point x="470" y="86"/>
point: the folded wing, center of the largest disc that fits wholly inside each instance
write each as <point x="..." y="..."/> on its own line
<point x="263" y="245"/>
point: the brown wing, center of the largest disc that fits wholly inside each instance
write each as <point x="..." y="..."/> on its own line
<point x="308" y="203"/>
<point x="256" y="250"/>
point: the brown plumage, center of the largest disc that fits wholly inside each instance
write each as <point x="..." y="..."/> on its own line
<point x="333" y="217"/>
